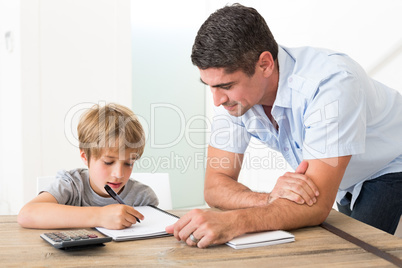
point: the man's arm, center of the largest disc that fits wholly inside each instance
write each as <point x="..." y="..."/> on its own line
<point x="44" y="212"/>
<point x="222" y="189"/>
<point x="213" y="227"/>
<point x="282" y="214"/>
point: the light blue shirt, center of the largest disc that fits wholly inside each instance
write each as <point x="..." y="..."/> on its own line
<point x="326" y="106"/>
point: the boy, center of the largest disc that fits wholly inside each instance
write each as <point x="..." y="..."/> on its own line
<point x="110" y="140"/>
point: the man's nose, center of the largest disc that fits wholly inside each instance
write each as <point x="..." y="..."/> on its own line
<point x="219" y="96"/>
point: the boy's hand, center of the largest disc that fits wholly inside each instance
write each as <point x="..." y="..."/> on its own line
<point x="296" y="187"/>
<point x="118" y="216"/>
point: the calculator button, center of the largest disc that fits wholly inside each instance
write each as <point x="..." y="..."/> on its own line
<point x="74" y="238"/>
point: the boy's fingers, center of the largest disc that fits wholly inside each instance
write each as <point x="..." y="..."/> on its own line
<point x="135" y="213"/>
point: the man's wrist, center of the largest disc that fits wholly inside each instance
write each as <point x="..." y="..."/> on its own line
<point x="258" y="199"/>
<point x="264" y="199"/>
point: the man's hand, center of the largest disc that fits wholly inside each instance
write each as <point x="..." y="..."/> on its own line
<point x="118" y="216"/>
<point x="212" y="227"/>
<point x="295" y="187"/>
<point x="208" y="227"/>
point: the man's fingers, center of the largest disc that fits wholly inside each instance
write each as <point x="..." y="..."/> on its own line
<point x="298" y="194"/>
<point x="169" y="229"/>
<point x="302" y="168"/>
<point x="305" y="188"/>
<point x="290" y="197"/>
<point x="295" y="187"/>
<point x="312" y="186"/>
<point x="302" y="180"/>
<point x="194" y="238"/>
<point x="182" y="228"/>
<point x="308" y="183"/>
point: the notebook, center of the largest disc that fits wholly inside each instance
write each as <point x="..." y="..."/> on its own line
<point x="261" y="239"/>
<point x="152" y="226"/>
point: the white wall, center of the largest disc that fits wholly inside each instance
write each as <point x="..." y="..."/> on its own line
<point x="67" y="55"/>
<point x="168" y="96"/>
<point x="10" y="108"/>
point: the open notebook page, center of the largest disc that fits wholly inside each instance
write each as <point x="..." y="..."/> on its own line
<point x="152" y="226"/>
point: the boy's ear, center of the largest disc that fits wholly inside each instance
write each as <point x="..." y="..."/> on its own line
<point x="84" y="157"/>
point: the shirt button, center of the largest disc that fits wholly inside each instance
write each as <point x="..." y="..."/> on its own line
<point x="286" y="149"/>
<point x="290" y="80"/>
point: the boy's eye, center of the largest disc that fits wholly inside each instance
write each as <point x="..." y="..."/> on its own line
<point x="130" y="164"/>
<point x="108" y="163"/>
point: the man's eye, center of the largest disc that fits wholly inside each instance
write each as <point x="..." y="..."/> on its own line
<point x="226" y="87"/>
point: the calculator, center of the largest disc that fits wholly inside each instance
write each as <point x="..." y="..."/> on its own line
<point x="75" y="238"/>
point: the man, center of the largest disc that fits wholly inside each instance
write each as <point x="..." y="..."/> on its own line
<point x="312" y="105"/>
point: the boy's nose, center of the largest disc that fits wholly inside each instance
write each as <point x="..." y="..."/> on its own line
<point x="118" y="172"/>
<point x="218" y="96"/>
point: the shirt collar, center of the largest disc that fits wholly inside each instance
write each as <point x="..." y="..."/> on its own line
<point x="286" y="65"/>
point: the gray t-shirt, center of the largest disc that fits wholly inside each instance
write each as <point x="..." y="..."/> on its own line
<point x="73" y="188"/>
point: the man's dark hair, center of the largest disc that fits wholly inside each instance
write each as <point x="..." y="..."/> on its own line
<point x="233" y="38"/>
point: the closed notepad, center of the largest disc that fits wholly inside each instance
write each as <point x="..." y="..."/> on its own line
<point x="261" y="239"/>
<point x="152" y="226"/>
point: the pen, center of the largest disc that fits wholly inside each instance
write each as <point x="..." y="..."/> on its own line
<point x="116" y="197"/>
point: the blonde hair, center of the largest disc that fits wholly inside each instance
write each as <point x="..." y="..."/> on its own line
<point x="101" y="128"/>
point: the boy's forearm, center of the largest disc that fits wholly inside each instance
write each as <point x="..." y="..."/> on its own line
<point x="53" y="216"/>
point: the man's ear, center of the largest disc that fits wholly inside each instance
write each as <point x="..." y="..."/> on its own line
<point x="84" y="157"/>
<point x="266" y="63"/>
